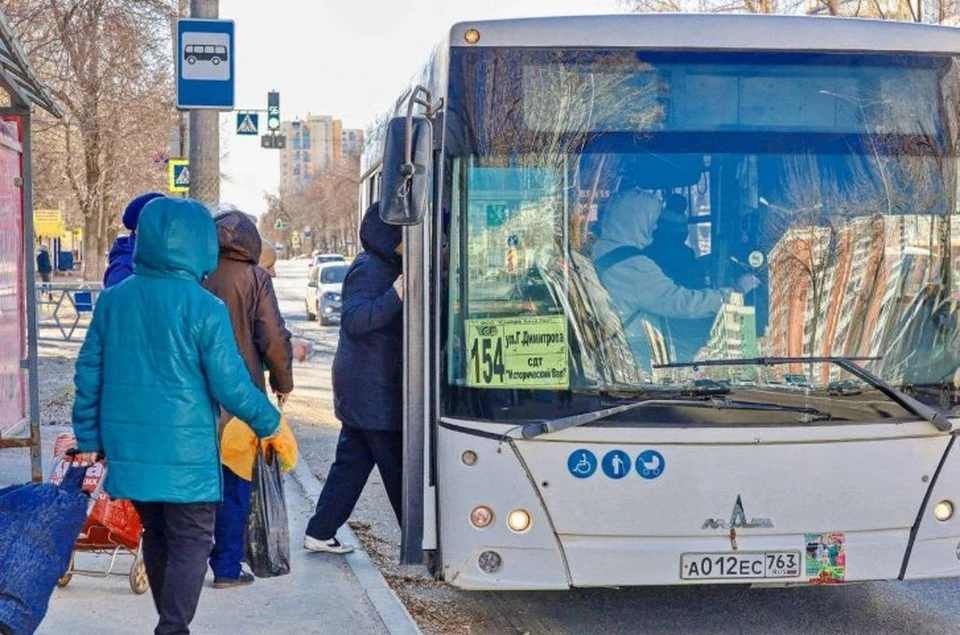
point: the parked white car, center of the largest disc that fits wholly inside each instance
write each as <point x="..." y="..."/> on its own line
<point x="324" y="288"/>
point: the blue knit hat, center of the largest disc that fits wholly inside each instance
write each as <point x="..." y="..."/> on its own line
<point x="131" y="215"/>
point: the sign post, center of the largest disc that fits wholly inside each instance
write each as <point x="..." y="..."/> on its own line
<point x="206" y="60"/>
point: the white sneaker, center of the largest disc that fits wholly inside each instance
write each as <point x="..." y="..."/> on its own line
<point x="325" y="546"/>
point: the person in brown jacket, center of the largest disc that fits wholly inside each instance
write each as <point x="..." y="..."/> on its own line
<point x="264" y="342"/>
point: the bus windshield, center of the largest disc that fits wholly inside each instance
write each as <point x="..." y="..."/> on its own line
<point x="613" y="212"/>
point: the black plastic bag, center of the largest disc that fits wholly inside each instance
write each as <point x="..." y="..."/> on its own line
<point x="268" y="535"/>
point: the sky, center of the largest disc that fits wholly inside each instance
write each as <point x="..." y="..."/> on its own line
<point x="345" y="58"/>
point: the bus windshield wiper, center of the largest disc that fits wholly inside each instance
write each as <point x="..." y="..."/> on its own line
<point x="848" y="364"/>
<point x="533" y="430"/>
<point x="813" y="414"/>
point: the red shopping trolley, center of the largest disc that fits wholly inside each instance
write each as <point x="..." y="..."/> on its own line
<point x="112" y="529"/>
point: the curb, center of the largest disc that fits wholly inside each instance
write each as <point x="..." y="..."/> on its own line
<point x="385" y="602"/>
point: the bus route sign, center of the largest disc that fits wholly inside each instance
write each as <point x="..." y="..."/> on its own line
<point x="518" y="353"/>
<point x="205" y="64"/>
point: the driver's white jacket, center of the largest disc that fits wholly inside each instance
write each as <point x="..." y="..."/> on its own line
<point x="637" y="283"/>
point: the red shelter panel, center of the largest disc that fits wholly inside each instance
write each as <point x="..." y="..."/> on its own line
<point x="13" y="321"/>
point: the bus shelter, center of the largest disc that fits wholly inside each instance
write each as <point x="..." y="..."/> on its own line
<point x="19" y="396"/>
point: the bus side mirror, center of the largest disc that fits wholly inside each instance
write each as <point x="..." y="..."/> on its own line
<point x="407" y="170"/>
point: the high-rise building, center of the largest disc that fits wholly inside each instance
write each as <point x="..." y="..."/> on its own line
<point x="351" y="143"/>
<point x="733" y="336"/>
<point x="313" y="145"/>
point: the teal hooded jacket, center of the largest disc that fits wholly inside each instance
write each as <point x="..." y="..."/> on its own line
<point x="158" y="359"/>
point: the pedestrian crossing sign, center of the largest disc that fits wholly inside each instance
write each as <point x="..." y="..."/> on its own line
<point x="179" y="175"/>
<point x="248" y="123"/>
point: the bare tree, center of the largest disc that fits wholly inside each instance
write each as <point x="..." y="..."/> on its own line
<point x="108" y="62"/>
<point x="327" y="205"/>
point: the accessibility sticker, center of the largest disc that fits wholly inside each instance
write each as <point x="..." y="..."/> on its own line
<point x="616" y="464"/>
<point x="582" y="463"/>
<point x="826" y="558"/>
<point x="650" y="464"/>
<point x="518" y="353"/>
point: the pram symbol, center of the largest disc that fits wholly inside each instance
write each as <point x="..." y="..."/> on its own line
<point x="650" y="464"/>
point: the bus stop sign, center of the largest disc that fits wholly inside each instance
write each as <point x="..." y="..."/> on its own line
<point x="205" y="64"/>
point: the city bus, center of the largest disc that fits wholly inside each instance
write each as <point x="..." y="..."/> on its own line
<point x="625" y="238"/>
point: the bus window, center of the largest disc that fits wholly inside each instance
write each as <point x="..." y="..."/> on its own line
<point x="560" y="206"/>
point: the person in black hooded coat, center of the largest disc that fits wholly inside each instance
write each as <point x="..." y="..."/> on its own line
<point x="367" y="383"/>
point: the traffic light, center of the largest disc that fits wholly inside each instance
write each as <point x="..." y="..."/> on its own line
<point x="273" y="111"/>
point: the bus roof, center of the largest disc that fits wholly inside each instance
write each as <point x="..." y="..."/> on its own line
<point x="704" y="31"/>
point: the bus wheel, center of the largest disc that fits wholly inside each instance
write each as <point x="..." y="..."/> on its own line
<point x="216" y="61"/>
<point x="191" y="60"/>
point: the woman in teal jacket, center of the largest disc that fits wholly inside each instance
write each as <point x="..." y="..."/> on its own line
<point x="159" y="357"/>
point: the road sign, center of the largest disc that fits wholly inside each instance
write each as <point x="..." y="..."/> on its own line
<point x="179" y="175"/>
<point x="307" y="233"/>
<point x="295" y="240"/>
<point x="279" y="225"/>
<point x="273" y="111"/>
<point x="248" y="123"/>
<point x="205" y="64"/>
<point x="48" y="223"/>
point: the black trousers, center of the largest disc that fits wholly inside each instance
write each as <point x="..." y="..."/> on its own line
<point x="177" y="539"/>
<point x="357" y="452"/>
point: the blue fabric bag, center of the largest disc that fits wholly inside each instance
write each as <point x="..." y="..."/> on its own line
<point x="39" y="524"/>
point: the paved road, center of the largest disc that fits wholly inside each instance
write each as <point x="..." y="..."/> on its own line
<point x="927" y="608"/>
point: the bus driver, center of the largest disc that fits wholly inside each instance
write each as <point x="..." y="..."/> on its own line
<point x="638" y="286"/>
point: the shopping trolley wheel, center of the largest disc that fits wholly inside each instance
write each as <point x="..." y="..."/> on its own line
<point x="67" y="575"/>
<point x="139" y="582"/>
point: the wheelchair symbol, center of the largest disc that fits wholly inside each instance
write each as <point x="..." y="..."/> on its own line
<point x="582" y="463"/>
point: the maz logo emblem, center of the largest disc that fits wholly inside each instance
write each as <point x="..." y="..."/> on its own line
<point x="738" y="520"/>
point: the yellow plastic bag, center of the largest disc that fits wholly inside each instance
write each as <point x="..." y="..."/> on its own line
<point x="238" y="447"/>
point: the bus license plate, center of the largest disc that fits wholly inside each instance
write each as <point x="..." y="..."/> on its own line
<point x="737" y="566"/>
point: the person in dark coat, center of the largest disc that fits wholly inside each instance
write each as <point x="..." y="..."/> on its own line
<point x="44" y="267"/>
<point x="120" y="261"/>
<point x="367" y="383"/>
<point x="264" y="341"/>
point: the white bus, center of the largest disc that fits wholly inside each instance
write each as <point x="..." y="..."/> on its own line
<point x="698" y="323"/>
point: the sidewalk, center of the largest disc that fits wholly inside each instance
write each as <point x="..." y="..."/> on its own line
<point x="321" y="595"/>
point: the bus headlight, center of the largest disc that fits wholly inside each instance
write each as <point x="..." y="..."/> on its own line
<point x="943" y="511"/>
<point x="481" y="516"/>
<point x="519" y="520"/>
